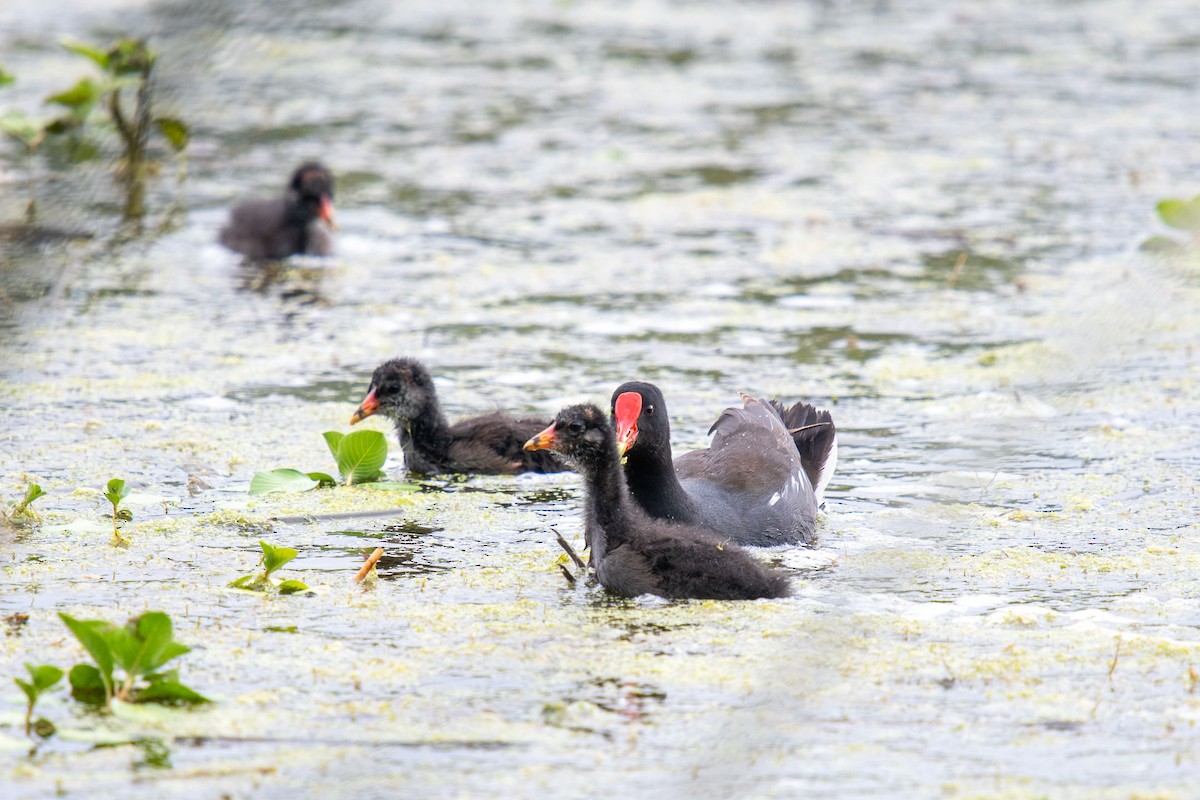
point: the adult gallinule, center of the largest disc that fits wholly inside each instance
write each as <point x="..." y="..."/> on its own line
<point x="295" y="224"/>
<point x="634" y="553"/>
<point x="402" y="390"/>
<point x="760" y="482"/>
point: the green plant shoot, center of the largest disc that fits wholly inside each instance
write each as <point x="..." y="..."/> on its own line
<point x="273" y="558"/>
<point x="41" y="678"/>
<point x="21" y="510"/>
<point x="118" y="491"/>
<point x="139" y="649"/>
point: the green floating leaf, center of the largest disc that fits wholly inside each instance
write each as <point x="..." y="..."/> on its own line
<point x="322" y="478"/>
<point x="125" y="514"/>
<point x="293" y="587"/>
<point x="275" y="557"/>
<point x="175" y="132"/>
<point x="6" y="77"/>
<point x="244" y="582"/>
<point x="360" y="456"/>
<point x="43" y="727"/>
<point x="87" y="51"/>
<point x="169" y="691"/>
<point x="82" y="95"/>
<point x="281" y="480"/>
<point x="1181" y="214"/>
<point x="87" y="685"/>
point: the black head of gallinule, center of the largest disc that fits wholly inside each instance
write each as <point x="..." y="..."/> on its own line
<point x="634" y="553"/>
<point x="759" y="482"/>
<point x="402" y="390"/>
<point x="296" y="224"/>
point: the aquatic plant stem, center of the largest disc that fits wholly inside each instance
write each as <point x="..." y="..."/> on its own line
<point x="134" y="137"/>
<point x="119" y="539"/>
<point x="366" y="568"/>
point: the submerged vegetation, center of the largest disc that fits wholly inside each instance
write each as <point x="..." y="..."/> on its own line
<point x="120" y="101"/>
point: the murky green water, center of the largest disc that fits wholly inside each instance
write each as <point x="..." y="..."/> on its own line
<point x="544" y="200"/>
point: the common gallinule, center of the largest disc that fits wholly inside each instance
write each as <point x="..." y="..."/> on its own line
<point x="634" y="553"/>
<point x="760" y="482"/>
<point x="402" y="390"/>
<point x="295" y="224"/>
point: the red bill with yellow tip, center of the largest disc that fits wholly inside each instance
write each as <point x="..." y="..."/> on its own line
<point x="627" y="409"/>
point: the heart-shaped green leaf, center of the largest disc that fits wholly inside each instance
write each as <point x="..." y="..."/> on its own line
<point x="117" y="491"/>
<point x="275" y="557"/>
<point x="44" y="676"/>
<point x="334" y="440"/>
<point x="281" y="480"/>
<point x="154" y="635"/>
<point x="293" y="587"/>
<point x="360" y="456"/>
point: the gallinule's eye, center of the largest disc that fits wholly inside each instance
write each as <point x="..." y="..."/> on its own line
<point x="648" y="411"/>
<point x="576" y="426"/>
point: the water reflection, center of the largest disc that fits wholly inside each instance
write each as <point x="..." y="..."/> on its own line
<point x="288" y="280"/>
